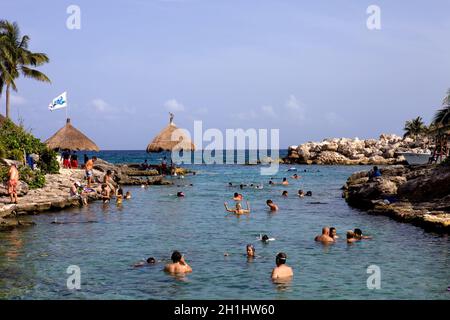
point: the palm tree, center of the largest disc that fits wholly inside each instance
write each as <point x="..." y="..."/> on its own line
<point x="16" y="59"/>
<point x="414" y="127"/>
<point x="442" y="116"/>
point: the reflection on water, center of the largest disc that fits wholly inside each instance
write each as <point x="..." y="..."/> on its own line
<point x="33" y="261"/>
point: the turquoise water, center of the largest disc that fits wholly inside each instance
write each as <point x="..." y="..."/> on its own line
<point x="414" y="263"/>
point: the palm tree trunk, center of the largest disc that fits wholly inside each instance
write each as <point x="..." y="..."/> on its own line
<point x="7" y="101"/>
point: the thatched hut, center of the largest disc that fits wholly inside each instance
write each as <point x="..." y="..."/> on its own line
<point x="70" y="138"/>
<point x="171" y="139"/>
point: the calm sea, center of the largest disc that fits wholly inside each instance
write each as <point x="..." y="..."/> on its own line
<point x="414" y="264"/>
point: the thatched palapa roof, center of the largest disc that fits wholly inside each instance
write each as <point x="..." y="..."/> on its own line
<point x="70" y="138"/>
<point x="171" y="138"/>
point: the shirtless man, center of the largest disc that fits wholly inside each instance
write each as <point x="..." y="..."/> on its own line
<point x="238" y="209"/>
<point x="281" y="270"/>
<point x="325" y="236"/>
<point x="271" y="205"/>
<point x="89" y="173"/>
<point x="13" y="180"/>
<point x="178" y="264"/>
<point x="108" y="179"/>
<point x="285" y="182"/>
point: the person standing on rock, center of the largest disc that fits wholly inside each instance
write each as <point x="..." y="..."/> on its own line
<point x="89" y="170"/>
<point x="13" y="180"/>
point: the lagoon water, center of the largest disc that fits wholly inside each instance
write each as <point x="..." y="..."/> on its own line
<point x="414" y="264"/>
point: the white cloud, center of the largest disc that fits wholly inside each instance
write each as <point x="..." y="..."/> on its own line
<point x="100" y="105"/>
<point x="268" y="111"/>
<point x="174" y="106"/>
<point x="17" y="100"/>
<point x="295" y="107"/>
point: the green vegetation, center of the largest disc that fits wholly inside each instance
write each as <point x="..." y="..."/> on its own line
<point x="415" y="128"/>
<point x="16" y="59"/>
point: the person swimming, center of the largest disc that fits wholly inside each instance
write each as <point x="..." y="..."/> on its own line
<point x="285" y="182"/>
<point x="149" y="261"/>
<point x="128" y="195"/>
<point x="333" y="233"/>
<point x="178" y="265"/>
<point x="272" y="206"/>
<point x="237" y="197"/>
<point x="309" y="193"/>
<point x="265" y="238"/>
<point x="180" y="194"/>
<point x="301" y="193"/>
<point x="238" y="210"/>
<point x="281" y="270"/>
<point x="295" y="176"/>
<point x="250" y="251"/>
<point x="359" y="235"/>
<point x="351" y="237"/>
<point x="230" y="184"/>
<point x="285" y="193"/>
<point x="325" y="236"/>
<point x="119" y="196"/>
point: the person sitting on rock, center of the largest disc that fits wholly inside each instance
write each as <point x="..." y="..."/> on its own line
<point x="374" y="173"/>
<point x="77" y="192"/>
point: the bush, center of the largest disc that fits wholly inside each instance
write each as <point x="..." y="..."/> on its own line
<point x="15" y="140"/>
<point x="35" y="179"/>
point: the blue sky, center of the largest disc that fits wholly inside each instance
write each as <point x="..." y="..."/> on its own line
<point x="309" y="68"/>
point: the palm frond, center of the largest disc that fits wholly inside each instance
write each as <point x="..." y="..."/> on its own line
<point x="34" y="74"/>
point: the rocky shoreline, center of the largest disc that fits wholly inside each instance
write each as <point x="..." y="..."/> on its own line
<point x="345" y="151"/>
<point x="54" y="195"/>
<point x="415" y="194"/>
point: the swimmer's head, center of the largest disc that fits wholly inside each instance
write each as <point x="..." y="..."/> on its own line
<point x="176" y="256"/>
<point x="281" y="258"/>
<point x="250" y="250"/>
<point x="285" y="193"/>
<point x="120" y="192"/>
<point x="284" y="179"/>
<point x="309" y="193"/>
<point x="332" y="231"/>
<point x="269" y="202"/>
<point x="301" y="191"/>
<point x="325" y="230"/>
<point x="236" y="194"/>
<point x="151" y="260"/>
<point x="350" y="234"/>
<point x="358" y="232"/>
<point x="265" y="238"/>
<point x="230" y="184"/>
<point x="180" y="194"/>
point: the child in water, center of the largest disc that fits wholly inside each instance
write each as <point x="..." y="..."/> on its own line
<point x="119" y="196"/>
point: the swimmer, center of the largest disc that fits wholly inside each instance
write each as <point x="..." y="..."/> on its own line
<point x="128" y="195"/>
<point x="250" y="251"/>
<point x="308" y="193"/>
<point x="180" y="194"/>
<point x="259" y="186"/>
<point x="230" y="184"/>
<point x="285" y="193"/>
<point x="271" y="205"/>
<point x="281" y="270"/>
<point x="301" y="193"/>
<point x="325" y="236"/>
<point x="178" y="264"/>
<point x="265" y="238"/>
<point x="295" y="176"/>
<point x="238" y="209"/>
<point x="285" y="182"/>
<point x="150" y="260"/>
<point x="359" y="235"/>
<point x="237" y="197"/>
<point x="351" y="237"/>
<point x="333" y="233"/>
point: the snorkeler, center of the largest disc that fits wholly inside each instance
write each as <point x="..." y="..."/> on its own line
<point x="272" y="206"/>
<point x="149" y="261"/>
<point x="238" y="209"/>
<point x="281" y="270"/>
